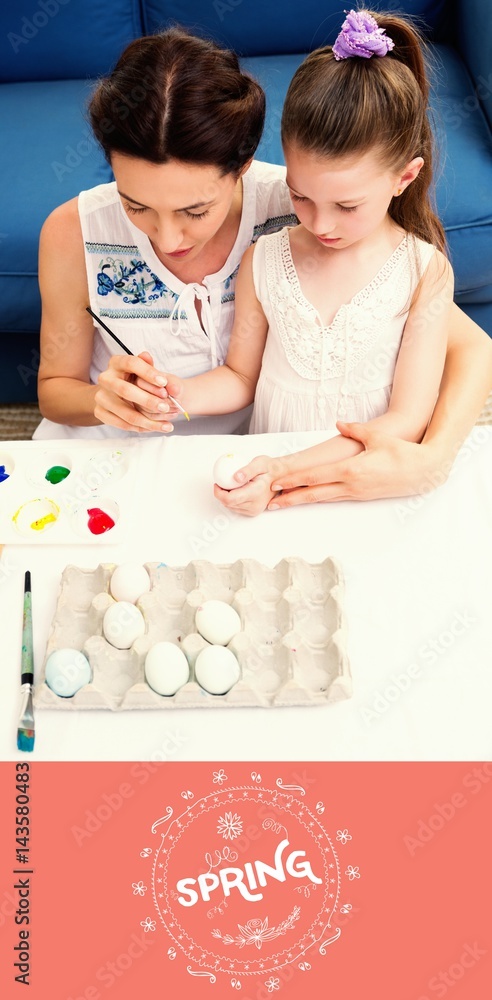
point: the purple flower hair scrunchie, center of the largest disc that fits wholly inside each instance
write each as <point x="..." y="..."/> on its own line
<point x="360" y="36"/>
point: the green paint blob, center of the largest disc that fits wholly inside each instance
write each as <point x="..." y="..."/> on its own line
<point x="57" y="474"/>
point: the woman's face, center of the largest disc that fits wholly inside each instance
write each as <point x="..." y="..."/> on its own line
<point x="180" y="206"/>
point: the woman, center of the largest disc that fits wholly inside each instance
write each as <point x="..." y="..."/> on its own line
<point x="156" y="254"/>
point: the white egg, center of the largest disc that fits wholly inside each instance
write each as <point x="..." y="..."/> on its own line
<point x="217" y="622"/>
<point x="217" y="669"/>
<point x="129" y="581"/>
<point x="224" y="470"/>
<point x="166" y="668"/>
<point x="66" y="671"/>
<point x="122" y="624"/>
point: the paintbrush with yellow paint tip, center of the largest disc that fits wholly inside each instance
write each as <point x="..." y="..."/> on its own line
<point x="127" y="351"/>
<point x="25" y="729"/>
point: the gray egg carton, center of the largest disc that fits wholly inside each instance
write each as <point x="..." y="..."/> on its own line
<point x="291" y="650"/>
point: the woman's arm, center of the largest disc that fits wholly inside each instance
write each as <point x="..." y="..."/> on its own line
<point x="67" y="336"/>
<point x="65" y="394"/>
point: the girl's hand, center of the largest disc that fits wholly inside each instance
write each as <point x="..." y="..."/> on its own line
<point x="263" y="464"/>
<point x="388" y="467"/>
<point x="132" y="395"/>
<point x="251" y="499"/>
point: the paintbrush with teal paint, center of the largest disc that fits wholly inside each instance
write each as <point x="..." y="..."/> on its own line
<point x="25" y="729"/>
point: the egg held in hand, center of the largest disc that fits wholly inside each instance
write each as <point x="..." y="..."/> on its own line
<point x="129" y="581"/>
<point x="166" y="668"/>
<point x="122" y="624"/>
<point x="217" y="669"/>
<point x="224" y="470"/>
<point x="217" y="622"/>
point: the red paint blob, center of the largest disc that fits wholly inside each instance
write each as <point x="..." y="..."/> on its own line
<point x="99" y="521"/>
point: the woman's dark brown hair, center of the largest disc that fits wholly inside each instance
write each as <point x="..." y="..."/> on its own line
<point x="347" y="107"/>
<point x="174" y="96"/>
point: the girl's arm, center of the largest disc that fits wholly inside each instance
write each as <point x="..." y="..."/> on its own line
<point x="232" y="385"/>
<point x="417" y="376"/>
<point x="418" y="370"/>
<point x="388" y="466"/>
<point x="66" y="395"/>
<point x="420" y="364"/>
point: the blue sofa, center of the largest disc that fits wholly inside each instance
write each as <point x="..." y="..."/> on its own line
<point x="51" y="51"/>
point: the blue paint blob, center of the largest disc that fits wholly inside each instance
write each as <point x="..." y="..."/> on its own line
<point x="3" y="474"/>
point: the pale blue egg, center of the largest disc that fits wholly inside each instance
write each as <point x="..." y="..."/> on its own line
<point x="67" y="671"/>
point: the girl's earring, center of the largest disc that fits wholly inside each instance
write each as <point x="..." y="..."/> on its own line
<point x="399" y="191"/>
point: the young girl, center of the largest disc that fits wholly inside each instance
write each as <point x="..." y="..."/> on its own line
<point x="345" y="315"/>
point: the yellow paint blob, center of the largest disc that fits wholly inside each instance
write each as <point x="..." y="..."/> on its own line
<point x="25" y="517"/>
<point x="42" y="522"/>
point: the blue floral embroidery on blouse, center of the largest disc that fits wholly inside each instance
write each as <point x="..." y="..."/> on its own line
<point x="231" y="277"/>
<point x="134" y="282"/>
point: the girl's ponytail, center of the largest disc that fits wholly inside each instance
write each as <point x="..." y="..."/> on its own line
<point x="409" y="47"/>
<point x="413" y="209"/>
<point x="347" y="105"/>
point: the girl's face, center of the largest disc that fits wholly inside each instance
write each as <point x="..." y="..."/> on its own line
<point x="344" y="200"/>
<point x="180" y="206"/>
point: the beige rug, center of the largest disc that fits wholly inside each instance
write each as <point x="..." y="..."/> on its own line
<point x="17" y="423"/>
<point x="486" y="414"/>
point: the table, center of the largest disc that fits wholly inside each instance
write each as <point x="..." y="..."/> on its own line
<point x="418" y="604"/>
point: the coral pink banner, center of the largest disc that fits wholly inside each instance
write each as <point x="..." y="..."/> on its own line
<point x="125" y="880"/>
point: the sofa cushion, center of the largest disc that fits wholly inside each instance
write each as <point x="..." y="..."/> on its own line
<point x="47" y="156"/>
<point x="463" y="189"/>
<point x="255" y="27"/>
<point x="64" y="39"/>
<point x="475" y="47"/>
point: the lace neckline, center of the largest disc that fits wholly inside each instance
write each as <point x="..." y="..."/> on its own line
<point x="381" y="276"/>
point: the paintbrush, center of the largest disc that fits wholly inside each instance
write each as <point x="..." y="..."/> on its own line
<point x="127" y="351"/>
<point x="25" y="729"/>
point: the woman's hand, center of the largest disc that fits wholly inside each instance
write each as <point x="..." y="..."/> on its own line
<point x="133" y="395"/>
<point x="388" y="467"/>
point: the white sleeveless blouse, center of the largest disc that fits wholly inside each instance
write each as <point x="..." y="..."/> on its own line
<point x="150" y="309"/>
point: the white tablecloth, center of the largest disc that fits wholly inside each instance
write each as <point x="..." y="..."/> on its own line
<point x="418" y="603"/>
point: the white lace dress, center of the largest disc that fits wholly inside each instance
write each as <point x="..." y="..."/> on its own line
<point x="313" y="375"/>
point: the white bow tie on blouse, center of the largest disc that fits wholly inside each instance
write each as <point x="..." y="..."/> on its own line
<point x="186" y="302"/>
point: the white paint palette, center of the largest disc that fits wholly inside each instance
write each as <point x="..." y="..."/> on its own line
<point x="65" y="492"/>
<point x="291" y="648"/>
